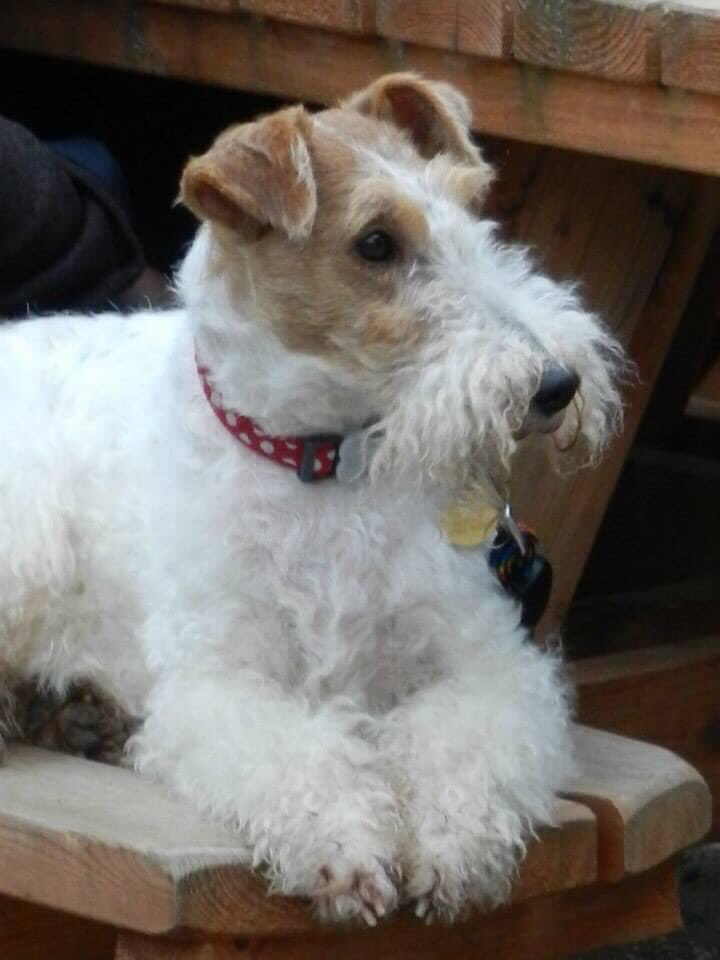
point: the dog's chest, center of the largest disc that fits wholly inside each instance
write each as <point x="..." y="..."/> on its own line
<point x="345" y="586"/>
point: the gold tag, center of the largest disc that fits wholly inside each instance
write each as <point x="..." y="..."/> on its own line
<point x="470" y="523"/>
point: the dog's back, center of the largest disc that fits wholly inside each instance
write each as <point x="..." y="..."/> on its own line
<point x="71" y="392"/>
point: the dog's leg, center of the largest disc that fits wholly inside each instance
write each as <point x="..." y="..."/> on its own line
<point x="481" y="754"/>
<point x="83" y="720"/>
<point x="303" y="786"/>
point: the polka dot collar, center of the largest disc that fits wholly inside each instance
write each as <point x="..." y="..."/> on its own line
<point x="312" y="458"/>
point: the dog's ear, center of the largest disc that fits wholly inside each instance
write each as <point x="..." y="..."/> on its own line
<point x="255" y="177"/>
<point x="435" y="114"/>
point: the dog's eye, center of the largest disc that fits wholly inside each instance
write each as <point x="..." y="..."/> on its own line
<point x="376" y="246"/>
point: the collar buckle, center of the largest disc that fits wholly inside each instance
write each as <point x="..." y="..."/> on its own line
<point x="310" y="445"/>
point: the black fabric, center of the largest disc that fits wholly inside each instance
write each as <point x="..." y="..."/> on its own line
<point x="64" y="242"/>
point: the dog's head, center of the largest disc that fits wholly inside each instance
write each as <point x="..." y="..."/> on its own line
<point x="354" y="238"/>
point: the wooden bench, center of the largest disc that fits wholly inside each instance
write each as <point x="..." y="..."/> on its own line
<point x="139" y="876"/>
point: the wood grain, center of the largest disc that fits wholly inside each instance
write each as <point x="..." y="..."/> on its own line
<point x="29" y="932"/>
<point x="137" y="946"/>
<point x="667" y="694"/>
<point x="691" y="49"/>
<point x="619" y="41"/>
<point x="540" y="929"/>
<point x="432" y="23"/>
<point x="640" y="122"/>
<point x="352" y="16"/>
<point x="103" y="843"/>
<point x="649" y="803"/>
<point x="485" y="27"/>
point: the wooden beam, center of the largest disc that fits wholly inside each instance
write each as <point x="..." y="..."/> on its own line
<point x="485" y="27"/>
<point x="691" y="48"/>
<point x="29" y="932"/>
<point x="639" y="122"/>
<point x="100" y="841"/>
<point x="541" y="929"/>
<point x="567" y="512"/>
<point x="432" y="23"/>
<point x="346" y="16"/>
<point x="667" y="694"/>
<point x="137" y="946"/>
<point x="619" y="41"/>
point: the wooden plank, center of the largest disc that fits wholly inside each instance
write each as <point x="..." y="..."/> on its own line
<point x="704" y="401"/>
<point x="567" y="512"/>
<point x="640" y="122"/>
<point x="101" y="842"/>
<point x="690" y="56"/>
<point x="28" y="932"/>
<point x="562" y="857"/>
<point x="540" y="929"/>
<point x="137" y="946"/>
<point x="432" y="23"/>
<point x="649" y="803"/>
<point x="351" y="16"/>
<point x="485" y="27"/>
<point x="667" y="694"/>
<point x="619" y="41"/>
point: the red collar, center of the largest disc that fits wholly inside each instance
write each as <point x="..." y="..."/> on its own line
<point x="312" y="458"/>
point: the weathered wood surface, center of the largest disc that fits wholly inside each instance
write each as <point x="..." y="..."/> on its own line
<point x="667" y="694"/>
<point x="101" y="842"/>
<point x="674" y="42"/>
<point x="538" y="929"/>
<point x="544" y="928"/>
<point x="240" y="49"/>
<point x="649" y="803"/>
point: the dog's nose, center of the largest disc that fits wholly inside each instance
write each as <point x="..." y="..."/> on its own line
<point x="557" y="388"/>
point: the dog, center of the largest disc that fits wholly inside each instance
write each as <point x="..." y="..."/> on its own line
<point x="315" y="664"/>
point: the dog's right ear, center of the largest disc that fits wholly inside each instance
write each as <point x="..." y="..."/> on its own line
<point x="255" y="177"/>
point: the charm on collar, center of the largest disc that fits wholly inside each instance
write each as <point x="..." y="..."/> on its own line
<point x="521" y="567"/>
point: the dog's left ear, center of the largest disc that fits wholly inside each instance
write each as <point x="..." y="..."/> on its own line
<point x="255" y="177"/>
<point x="435" y="114"/>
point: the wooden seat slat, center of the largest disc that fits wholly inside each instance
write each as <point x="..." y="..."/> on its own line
<point x="104" y="843"/>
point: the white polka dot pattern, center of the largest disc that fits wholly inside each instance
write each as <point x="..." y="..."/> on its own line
<point x="287" y="451"/>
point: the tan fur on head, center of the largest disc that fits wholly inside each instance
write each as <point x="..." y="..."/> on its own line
<point x="292" y="177"/>
<point x="435" y="115"/>
<point x="255" y="176"/>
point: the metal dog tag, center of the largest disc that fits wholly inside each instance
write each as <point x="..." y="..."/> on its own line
<point x="355" y="453"/>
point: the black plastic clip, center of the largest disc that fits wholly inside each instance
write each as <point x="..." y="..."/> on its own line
<point x="306" y="470"/>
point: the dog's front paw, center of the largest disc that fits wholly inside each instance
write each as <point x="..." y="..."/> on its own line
<point x="346" y="892"/>
<point x="449" y="871"/>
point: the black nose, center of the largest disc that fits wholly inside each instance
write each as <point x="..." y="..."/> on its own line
<point x="557" y="388"/>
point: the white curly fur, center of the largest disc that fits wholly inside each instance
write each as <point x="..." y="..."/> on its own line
<point x="316" y="665"/>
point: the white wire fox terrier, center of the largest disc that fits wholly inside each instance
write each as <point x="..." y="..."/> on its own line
<point x="315" y="663"/>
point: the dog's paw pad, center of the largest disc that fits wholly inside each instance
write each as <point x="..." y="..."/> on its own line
<point x="84" y="721"/>
<point x="365" y="894"/>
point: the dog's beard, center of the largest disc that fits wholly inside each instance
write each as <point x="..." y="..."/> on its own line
<point x="457" y="420"/>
